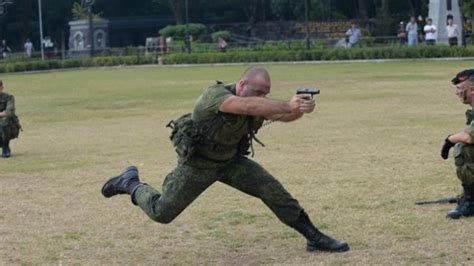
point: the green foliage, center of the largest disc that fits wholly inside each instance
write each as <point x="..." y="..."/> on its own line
<point x="268" y="53"/>
<point x="224" y="34"/>
<point x="320" y="54"/>
<point x="179" y="31"/>
<point x="80" y="12"/>
<point x="74" y="63"/>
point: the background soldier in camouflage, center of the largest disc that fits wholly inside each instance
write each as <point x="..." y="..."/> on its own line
<point x="212" y="144"/>
<point x="463" y="146"/>
<point x="9" y="123"/>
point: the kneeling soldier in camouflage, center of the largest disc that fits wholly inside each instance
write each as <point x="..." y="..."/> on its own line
<point x="463" y="143"/>
<point x="212" y="144"/>
<point x="9" y="123"/>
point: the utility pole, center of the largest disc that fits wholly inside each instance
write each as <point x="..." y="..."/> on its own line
<point x="88" y="4"/>
<point x="40" y="15"/>
<point x="306" y="15"/>
<point x="187" y="42"/>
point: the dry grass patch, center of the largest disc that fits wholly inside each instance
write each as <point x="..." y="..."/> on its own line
<point x="357" y="165"/>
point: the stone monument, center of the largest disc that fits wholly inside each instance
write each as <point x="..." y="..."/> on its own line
<point x="79" y="40"/>
<point x="440" y="11"/>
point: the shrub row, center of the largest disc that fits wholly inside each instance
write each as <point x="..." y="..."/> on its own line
<point x="179" y="31"/>
<point x="247" y="56"/>
<point x="321" y="54"/>
<point x="74" y="63"/>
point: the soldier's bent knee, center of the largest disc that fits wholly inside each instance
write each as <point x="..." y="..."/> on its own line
<point x="162" y="218"/>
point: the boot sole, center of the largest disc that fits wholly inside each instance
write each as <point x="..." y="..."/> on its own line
<point x="106" y="185"/>
<point x="342" y="249"/>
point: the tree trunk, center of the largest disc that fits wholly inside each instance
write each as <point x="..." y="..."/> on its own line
<point x="251" y="14"/>
<point x="384" y="9"/>
<point x="362" y="12"/>
<point x="178" y="10"/>
<point x="415" y="7"/>
<point x="383" y="16"/>
<point x="194" y="12"/>
<point x="25" y="18"/>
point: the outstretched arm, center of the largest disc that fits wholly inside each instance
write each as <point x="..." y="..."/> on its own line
<point x="462" y="136"/>
<point x="271" y="109"/>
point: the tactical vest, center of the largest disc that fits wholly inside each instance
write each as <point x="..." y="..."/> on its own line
<point x="190" y="137"/>
<point x="9" y="126"/>
<point x="469" y="116"/>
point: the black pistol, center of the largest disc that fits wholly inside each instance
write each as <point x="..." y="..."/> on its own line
<point x="307" y="91"/>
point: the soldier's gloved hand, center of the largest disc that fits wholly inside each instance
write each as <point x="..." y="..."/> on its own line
<point x="446" y="147"/>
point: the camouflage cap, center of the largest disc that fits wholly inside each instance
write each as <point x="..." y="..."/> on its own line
<point x="463" y="76"/>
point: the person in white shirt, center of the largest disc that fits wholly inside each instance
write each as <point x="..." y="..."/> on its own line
<point x="412" y="31"/>
<point x="430" y="32"/>
<point x="28" y="48"/>
<point x="453" y="32"/>
<point x="353" y="34"/>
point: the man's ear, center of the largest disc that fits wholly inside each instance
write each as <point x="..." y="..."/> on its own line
<point x="240" y="86"/>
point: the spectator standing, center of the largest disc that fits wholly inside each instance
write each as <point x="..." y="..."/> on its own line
<point x="430" y="32"/>
<point x="222" y="44"/>
<point x="412" y="32"/>
<point x="169" y="42"/>
<point x="4" y="49"/>
<point x="28" y="48"/>
<point x="354" y="35"/>
<point x="402" y="34"/>
<point x="453" y="32"/>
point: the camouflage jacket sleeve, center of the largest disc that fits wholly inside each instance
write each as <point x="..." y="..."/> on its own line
<point x="10" y="110"/>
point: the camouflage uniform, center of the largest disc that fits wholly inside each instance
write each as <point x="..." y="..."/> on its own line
<point x="464" y="154"/>
<point x="220" y="155"/>
<point x="9" y="125"/>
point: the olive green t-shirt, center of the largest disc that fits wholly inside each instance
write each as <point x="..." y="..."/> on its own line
<point x="225" y="129"/>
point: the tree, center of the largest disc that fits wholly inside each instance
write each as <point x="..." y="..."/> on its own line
<point x="26" y="8"/>
<point x="177" y="6"/>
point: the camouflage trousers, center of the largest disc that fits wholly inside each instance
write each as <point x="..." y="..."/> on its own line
<point x="191" y="177"/>
<point x="464" y="161"/>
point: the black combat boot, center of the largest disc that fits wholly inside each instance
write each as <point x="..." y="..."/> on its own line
<point x="6" y="152"/>
<point x="125" y="183"/>
<point x="465" y="205"/>
<point x="316" y="239"/>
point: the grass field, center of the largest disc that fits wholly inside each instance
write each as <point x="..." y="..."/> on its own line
<point x="356" y="165"/>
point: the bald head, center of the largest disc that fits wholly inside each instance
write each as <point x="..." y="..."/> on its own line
<point x="254" y="73"/>
<point x="255" y="81"/>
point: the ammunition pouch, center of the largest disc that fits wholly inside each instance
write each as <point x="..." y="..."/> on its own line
<point x="9" y="128"/>
<point x="182" y="136"/>
<point x="469" y="116"/>
<point x="458" y="156"/>
<point x="464" y="161"/>
<point x="186" y="135"/>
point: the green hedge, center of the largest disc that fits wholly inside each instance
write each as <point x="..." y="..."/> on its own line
<point x="179" y="31"/>
<point x="321" y="54"/>
<point x="74" y="63"/>
<point x="247" y="56"/>
<point x="224" y="34"/>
